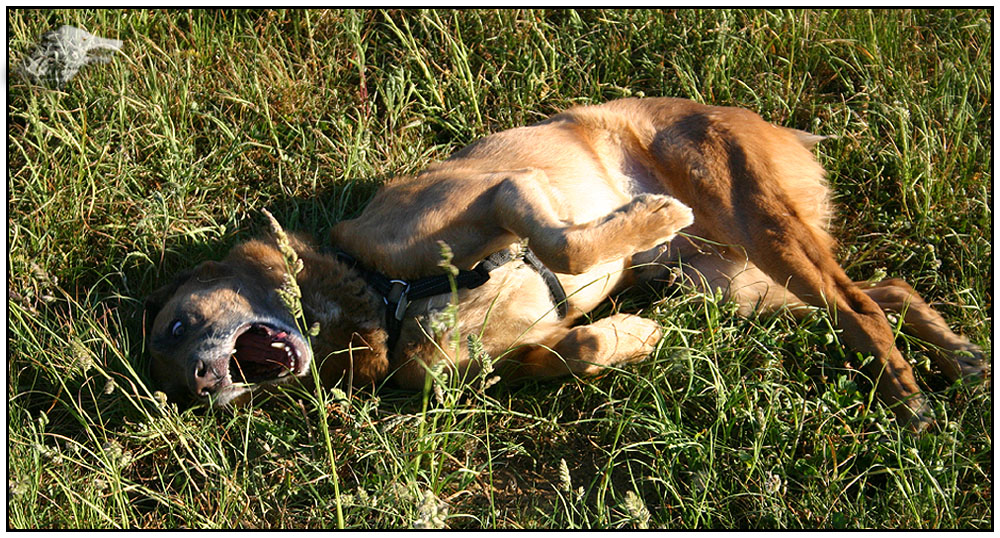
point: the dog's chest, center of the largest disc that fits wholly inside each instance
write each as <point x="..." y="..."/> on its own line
<point x="513" y="308"/>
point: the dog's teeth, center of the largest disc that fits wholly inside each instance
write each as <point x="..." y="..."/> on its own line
<point x="278" y="345"/>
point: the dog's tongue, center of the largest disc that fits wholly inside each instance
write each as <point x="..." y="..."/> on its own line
<point x="255" y="346"/>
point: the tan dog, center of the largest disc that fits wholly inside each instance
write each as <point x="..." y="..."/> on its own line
<point x="597" y="193"/>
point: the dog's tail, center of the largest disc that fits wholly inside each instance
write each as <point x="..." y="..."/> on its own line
<point x="807" y="139"/>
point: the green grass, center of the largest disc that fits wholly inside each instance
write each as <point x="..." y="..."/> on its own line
<point x="166" y="156"/>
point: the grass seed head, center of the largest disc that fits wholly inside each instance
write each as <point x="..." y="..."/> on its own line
<point x="637" y="509"/>
<point x="289" y="292"/>
<point x="432" y="512"/>
<point x="565" y="482"/>
<point x="446" y="257"/>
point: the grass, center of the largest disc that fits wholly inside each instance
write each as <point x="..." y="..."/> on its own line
<point x="167" y="155"/>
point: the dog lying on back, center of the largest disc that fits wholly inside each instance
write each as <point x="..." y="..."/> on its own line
<point x="596" y="195"/>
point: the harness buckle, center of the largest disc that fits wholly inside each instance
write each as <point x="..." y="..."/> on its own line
<point x="397" y="296"/>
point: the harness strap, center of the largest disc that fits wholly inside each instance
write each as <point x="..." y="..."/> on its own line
<point x="397" y="294"/>
<point x="556" y="291"/>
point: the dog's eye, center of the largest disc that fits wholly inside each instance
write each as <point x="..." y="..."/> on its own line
<point x="176" y="329"/>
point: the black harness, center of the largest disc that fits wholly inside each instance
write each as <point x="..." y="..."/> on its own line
<point x="397" y="294"/>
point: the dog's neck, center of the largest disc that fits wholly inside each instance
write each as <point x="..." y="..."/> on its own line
<point x="352" y="342"/>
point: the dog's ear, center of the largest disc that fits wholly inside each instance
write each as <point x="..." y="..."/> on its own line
<point x="363" y="361"/>
<point x="371" y="356"/>
<point x="154" y="302"/>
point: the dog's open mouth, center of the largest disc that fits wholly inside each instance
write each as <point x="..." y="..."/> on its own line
<point x="263" y="353"/>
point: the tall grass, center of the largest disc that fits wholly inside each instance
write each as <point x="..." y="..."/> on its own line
<point x="164" y="157"/>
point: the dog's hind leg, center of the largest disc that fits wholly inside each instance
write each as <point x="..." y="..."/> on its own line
<point x="955" y="355"/>
<point x="737" y="172"/>
<point x="754" y="291"/>
<point x="523" y="206"/>
<point x="787" y="252"/>
<point x="588" y="349"/>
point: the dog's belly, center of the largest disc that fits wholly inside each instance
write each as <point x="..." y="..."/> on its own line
<point x="512" y="309"/>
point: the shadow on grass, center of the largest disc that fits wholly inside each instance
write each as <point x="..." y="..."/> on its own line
<point x="119" y="313"/>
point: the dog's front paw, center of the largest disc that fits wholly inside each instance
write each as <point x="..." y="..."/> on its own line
<point x="634" y="337"/>
<point x="659" y="217"/>
<point x="679" y="215"/>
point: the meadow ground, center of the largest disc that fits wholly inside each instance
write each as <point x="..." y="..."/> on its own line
<point x="164" y="157"/>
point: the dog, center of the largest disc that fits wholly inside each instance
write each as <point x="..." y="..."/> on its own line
<point x="543" y="223"/>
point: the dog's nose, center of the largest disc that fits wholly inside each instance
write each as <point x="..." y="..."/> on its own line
<point x="206" y="379"/>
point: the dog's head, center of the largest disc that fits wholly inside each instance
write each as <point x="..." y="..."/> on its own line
<point x="220" y="330"/>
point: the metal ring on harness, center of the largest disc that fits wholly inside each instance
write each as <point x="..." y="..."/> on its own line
<point x="397" y="294"/>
